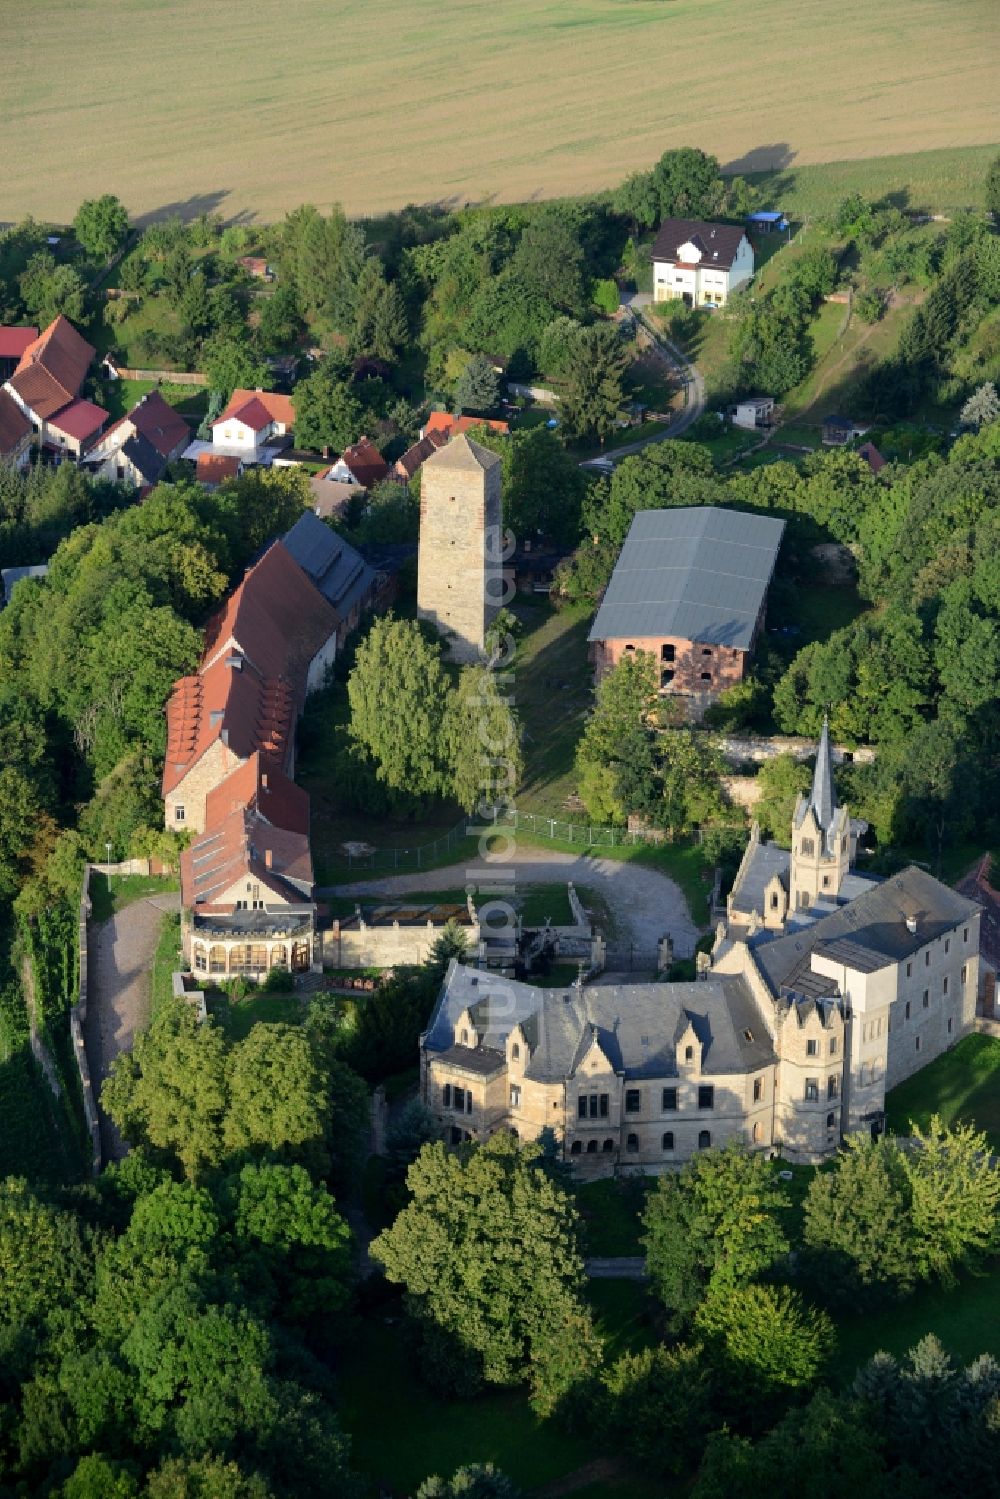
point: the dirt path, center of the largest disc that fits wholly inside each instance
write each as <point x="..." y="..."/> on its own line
<point x="120" y="955"/>
<point x="644" y="903"/>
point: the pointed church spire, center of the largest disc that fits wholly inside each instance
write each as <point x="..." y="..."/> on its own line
<point x="823" y="798"/>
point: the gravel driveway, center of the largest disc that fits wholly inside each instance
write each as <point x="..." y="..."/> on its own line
<point x="645" y="904"/>
<point x="120" y="955"/>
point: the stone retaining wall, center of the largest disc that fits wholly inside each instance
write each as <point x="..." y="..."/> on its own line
<point x="77" y="1016"/>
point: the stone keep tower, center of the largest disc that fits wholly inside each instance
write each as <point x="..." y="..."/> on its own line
<point x="822" y="837"/>
<point x="459" y="573"/>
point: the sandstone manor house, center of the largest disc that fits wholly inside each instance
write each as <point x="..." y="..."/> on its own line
<point x="824" y="988"/>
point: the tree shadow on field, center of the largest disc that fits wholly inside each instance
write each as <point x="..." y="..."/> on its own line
<point x="189" y="209"/>
<point x="767" y="167"/>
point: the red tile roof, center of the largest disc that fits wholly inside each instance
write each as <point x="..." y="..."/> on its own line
<point x="158" y="422"/>
<point x="227" y="700"/>
<point x="278" y="407"/>
<point x="411" y="460"/>
<point x="79" y="420"/>
<point x="52" y="369"/>
<point x="276" y="617"/>
<point x="365" y="462"/>
<point x="212" y="468"/>
<point x="454" y="426"/>
<point x="243" y="846"/>
<point x="14" y="425"/>
<point x="258" y="784"/>
<point x="14" y="341"/>
<point x="874" y="459"/>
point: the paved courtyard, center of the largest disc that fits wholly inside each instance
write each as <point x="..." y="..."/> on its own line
<point x="120" y="955"/>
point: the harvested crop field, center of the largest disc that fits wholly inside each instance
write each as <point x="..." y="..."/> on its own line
<point x="251" y="108"/>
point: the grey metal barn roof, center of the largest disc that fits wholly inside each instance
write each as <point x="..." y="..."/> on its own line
<point x="697" y="573"/>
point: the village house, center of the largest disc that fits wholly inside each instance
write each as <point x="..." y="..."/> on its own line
<point x="753" y="413"/>
<point x="13" y="343"/>
<point x="252" y="426"/>
<point x="272" y="643"/>
<point x="16" y="433"/>
<point x="46" y="385"/>
<point x="247" y="880"/>
<point x="360" y="464"/>
<point x="256" y="266"/>
<point x="444" y="424"/>
<point x="416" y="455"/>
<point x="838" y="431"/>
<point x="824" y="988"/>
<point x="137" y="448"/>
<point x="689" y="588"/>
<point x="339" y="572"/>
<point x="212" y="469"/>
<point x="700" y="264"/>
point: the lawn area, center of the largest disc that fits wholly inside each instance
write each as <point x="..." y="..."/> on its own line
<point x="165" y="961"/>
<point x="963" y="1086"/>
<point x="111" y="893"/>
<point x="612" y="1210"/>
<point x="624" y="1315"/>
<point x="119" y="396"/>
<point x="553" y="687"/>
<point x="966" y="1319"/>
<point x="237" y="1017"/>
<point x="400" y="1432"/>
<point x="380" y="1395"/>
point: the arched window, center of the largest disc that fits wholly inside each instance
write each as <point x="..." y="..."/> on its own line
<point x="774" y="900"/>
<point x="807" y="848"/>
<point x="704" y="1139"/>
<point x="591" y="1147"/>
<point x="576" y="1147"/>
<point x="515" y="1052"/>
<point x="465" y="1038"/>
<point x="706" y="676"/>
<point x="755" y="1134"/>
<point x="668" y="1140"/>
<point x="514" y="1133"/>
<point x="608" y="1146"/>
<point x="830" y="1118"/>
<point x="689" y="1053"/>
<point x="632" y="1142"/>
<point x="200" y="961"/>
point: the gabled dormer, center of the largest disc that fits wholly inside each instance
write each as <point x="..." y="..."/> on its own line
<point x="687" y="1047"/>
<point x="592" y="1060"/>
<point x="466" y="1033"/>
<point x="518" y="1050"/>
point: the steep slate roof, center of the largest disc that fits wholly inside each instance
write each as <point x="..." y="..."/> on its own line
<point x="276" y="618"/>
<point x="80" y="419"/>
<point x="637" y="1025"/>
<point x="235" y="849"/>
<point x="718" y="243"/>
<point x="464" y="455"/>
<point x="14" y="425"/>
<point x="869" y="933"/>
<point x="259" y="784"/>
<point x="14" y="341"/>
<point x="697" y="573"/>
<point x="822" y="798"/>
<point x="340" y="573"/>
<point x="52" y="369"/>
<point x="279" y="407"/>
<point x="159" y="423"/>
<point x="227" y="700"/>
<point x="149" y="464"/>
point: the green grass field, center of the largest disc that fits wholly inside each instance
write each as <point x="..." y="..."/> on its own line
<point x="534" y="98"/>
<point x="963" y="1086"/>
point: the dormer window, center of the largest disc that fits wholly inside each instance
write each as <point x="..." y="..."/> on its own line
<point x="515" y="1053"/>
<point x="807" y="848"/>
<point x="465" y="1038"/>
<point x="689" y="1053"/>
